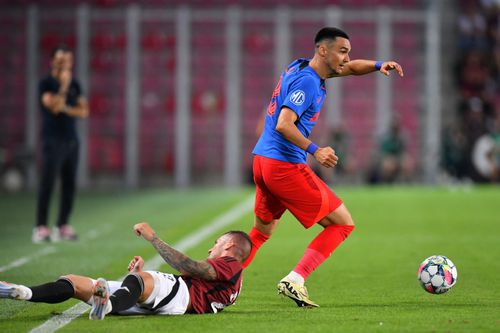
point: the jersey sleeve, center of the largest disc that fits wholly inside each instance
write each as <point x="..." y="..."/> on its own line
<point x="78" y="88"/>
<point x="301" y="95"/>
<point x="47" y="86"/>
<point x="227" y="268"/>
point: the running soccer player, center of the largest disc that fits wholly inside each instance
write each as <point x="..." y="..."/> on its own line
<point x="206" y="286"/>
<point x="283" y="179"/>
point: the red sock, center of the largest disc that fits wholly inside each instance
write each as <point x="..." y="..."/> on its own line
<point x="321" y="247"/>
<point x="258" y="238"/>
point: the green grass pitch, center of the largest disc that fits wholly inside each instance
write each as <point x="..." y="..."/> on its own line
<point x="367" y="285"/>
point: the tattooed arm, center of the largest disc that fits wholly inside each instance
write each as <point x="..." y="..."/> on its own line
<point x="176" y="259"/>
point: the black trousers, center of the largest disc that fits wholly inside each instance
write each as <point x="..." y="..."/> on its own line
<point x="59" y="158"/>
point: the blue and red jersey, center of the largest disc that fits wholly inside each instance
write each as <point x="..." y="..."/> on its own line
<point x="302" y="90"/>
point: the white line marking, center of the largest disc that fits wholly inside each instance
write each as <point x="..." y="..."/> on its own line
<point x="59" y="321"/>
<point x="90" y="235"/>
<point x="24" y="260"/>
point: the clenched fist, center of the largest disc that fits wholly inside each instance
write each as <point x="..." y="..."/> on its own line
<point x="144" y="229"/>
<point x="326" y="157"/>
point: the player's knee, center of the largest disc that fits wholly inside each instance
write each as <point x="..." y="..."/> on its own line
<point x="265" y="227"/>
<point x="340" y="216"/>
<point x="345" y="220"/>
<point x="70" y="278"/>
<point x="82" y="285"/>
<point x="348" y="219"/>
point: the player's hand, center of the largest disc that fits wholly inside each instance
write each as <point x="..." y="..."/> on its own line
<point x="59" y="104"/>
<point x="65" y="76"/>
<point x="144" y="229"/>
<point x="390" y="66"/>
<point x="136" y="264"/>
<point x="326" y="157"/>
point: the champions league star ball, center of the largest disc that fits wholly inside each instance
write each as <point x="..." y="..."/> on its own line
<point x="437" y="274"/>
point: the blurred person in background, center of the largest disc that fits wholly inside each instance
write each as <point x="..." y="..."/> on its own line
<point x="347" y="166"/>
<point x="392" y="161"/>
<point x="61" y="102"/>
<point x="454" y="151"/>
<point x="478" y="82"/>
<point x="496" y="151"/>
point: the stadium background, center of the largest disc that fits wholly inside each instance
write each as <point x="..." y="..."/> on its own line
<point x="177" y="89"/>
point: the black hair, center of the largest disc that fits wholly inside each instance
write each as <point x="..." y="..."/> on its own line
<point x="60" y="47"/>
<point x="329" y="33"/>
<point x="242" y="237"/>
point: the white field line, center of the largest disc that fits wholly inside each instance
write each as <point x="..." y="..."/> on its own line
<point x="26" y="259"/>
<point x="90" y="235"/>
<point x="61" y="320"/>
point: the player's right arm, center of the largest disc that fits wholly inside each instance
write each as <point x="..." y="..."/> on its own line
<point x="80" y="110"/>
<point x="56" y="102"/>
<point x="53" y="102"/>
<point x="178" y="260"/>
<point x="287" y="128"/>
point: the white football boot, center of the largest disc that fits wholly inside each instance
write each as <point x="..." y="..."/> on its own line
<point x="14" y="291"/>
<point x="101" y="304"/>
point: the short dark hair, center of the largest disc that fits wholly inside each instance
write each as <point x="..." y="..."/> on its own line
<point x="329" y="33"/>
<point x="60" y="47"/>
<point x="244" y="243"/>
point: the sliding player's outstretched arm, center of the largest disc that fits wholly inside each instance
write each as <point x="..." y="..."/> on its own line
<point x="174" y="258"/>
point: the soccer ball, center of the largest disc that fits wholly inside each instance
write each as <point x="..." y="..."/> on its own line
<point x="437" y="274"/>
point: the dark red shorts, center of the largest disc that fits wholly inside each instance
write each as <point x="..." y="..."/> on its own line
<point x="283" y="185"/>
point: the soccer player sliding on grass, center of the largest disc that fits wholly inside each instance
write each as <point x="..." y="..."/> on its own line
<point x="283" y="179"/>
<point x="205" y="286"/>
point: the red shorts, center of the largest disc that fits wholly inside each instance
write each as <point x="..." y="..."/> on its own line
<point x="293" y="186"/>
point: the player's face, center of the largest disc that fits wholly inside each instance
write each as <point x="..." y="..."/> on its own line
<point x="336" y="54"/>
<point x="62" y="60"/>
<point x="58" y="60"/>
<point x="218" y="248"/>
<point x="68" y="60"/>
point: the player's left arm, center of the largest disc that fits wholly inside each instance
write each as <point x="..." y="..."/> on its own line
<point x="178" y="260"/>
<point x="81" y="109"/>
<point x="362" y="67"/>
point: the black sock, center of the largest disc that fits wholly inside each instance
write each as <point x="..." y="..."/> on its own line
<point x="123" y="299"/>
<point x="53" y="292"/>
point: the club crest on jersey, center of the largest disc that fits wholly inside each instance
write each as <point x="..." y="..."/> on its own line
<point x="298" y="97"/>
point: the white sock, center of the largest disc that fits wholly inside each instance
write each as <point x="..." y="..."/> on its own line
<point x="295" y="278"/>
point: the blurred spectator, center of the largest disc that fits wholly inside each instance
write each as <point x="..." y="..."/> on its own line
<point x="392" y="162"/>
<point x="472" y="26"/>
<point x="478" y="78"/>
<point x="496" y="152"/>
<point x="454" y="152"/>
<point x="340" y="140"/>
<point x="61" y="102"/>
<point x="475" y="113"/>
<point x="473" y="74"/>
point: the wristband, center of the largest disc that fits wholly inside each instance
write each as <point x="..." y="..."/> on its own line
<point x="311" y="149"/>
<point x="378" y="65"/>
<point x="65" y="108"/>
